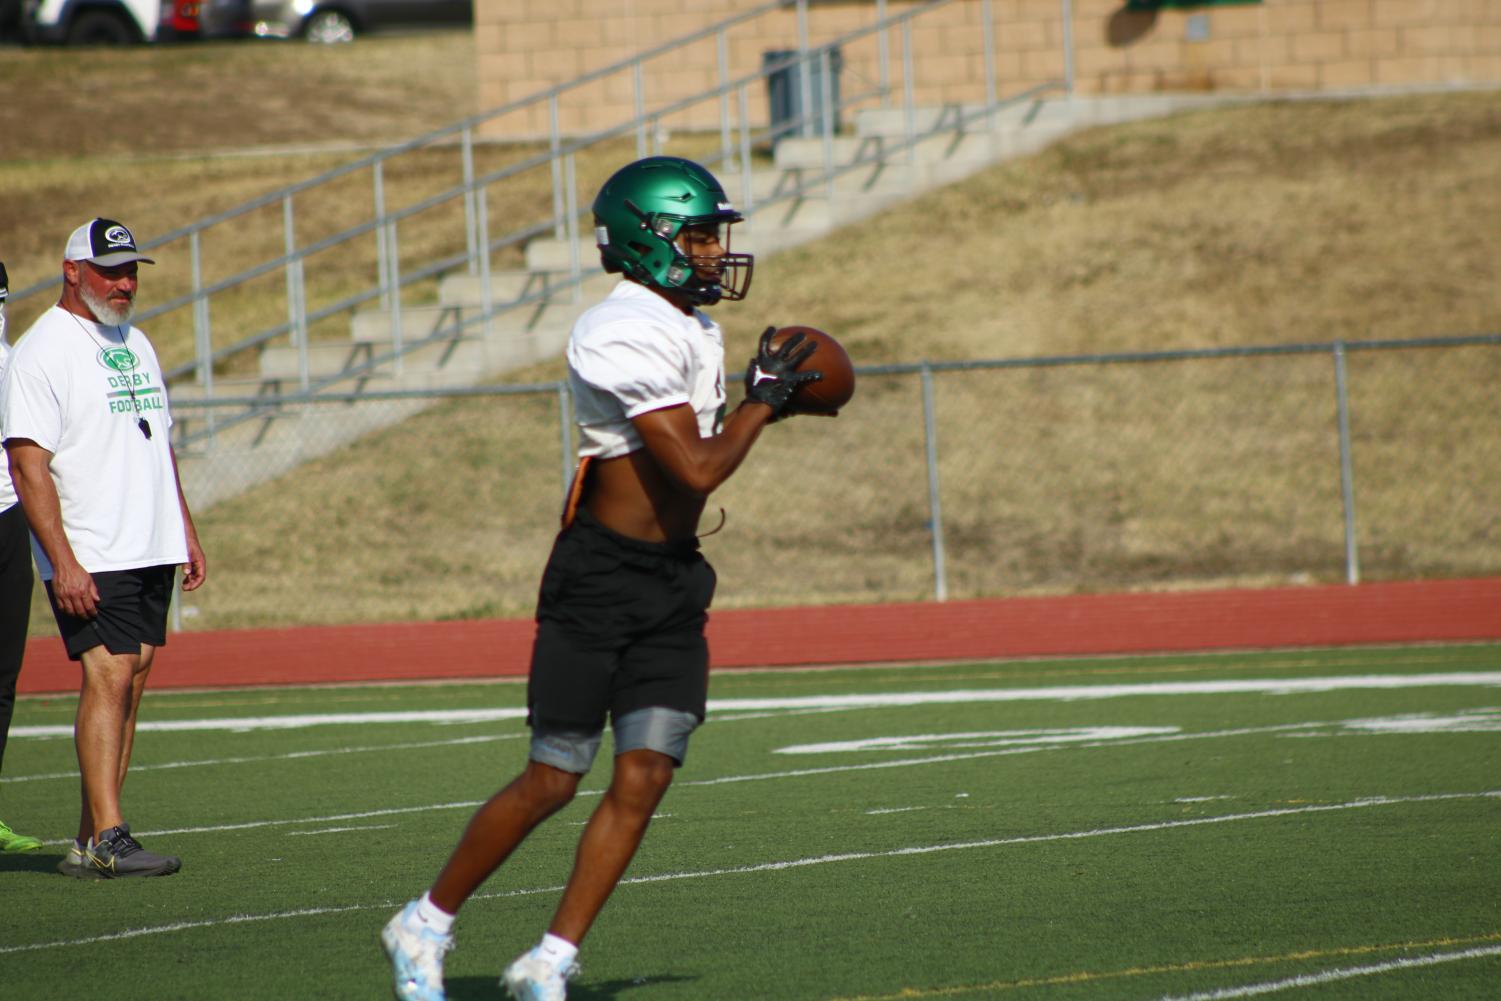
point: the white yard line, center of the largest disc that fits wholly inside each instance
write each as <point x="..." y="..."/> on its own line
<point x="1057" y="693"/>
<point x="288" y="756"/>
<point x="344" y="830"/>
<point x="781" y="866"/>
<point x="1330" y="976"/>
<point x="733" y="779"/>
<point x="937" y="759"/>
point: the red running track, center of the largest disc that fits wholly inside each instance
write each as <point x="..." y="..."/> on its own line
<point x="1153" y="622"/>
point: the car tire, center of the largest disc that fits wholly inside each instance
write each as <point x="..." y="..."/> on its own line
<point x="100" y="27"/>
<point x="328" y="27"/>
<point x="10" y="20"/>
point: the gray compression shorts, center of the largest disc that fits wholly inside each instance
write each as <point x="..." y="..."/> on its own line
<point x="654" y="728"/>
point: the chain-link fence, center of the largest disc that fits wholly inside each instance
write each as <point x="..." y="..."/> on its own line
<point x="1249" y="467"/>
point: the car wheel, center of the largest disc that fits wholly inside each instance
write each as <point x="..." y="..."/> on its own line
<point x="10" y="19"/>
<point x="99" y="27"/>
<point x="328" y="27"/>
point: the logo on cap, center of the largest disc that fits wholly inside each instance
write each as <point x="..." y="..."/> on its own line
<point x="119" y="236"/>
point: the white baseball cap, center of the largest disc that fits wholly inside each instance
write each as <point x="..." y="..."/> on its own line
<point x="103" y="242"/>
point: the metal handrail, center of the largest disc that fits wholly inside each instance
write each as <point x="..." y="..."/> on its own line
<point x="384" y="224"/>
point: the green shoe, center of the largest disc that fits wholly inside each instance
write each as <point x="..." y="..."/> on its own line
<point x="10" y="841"/>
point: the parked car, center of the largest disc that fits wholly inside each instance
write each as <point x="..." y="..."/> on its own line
<point x="91" y="22"/>
<point x="341" y="20"/>
<point x="190" y="19"/>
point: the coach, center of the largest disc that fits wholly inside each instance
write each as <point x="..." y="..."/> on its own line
<point x="83" y="411"/>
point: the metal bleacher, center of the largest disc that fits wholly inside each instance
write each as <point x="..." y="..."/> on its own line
<point x="493" y="299"/>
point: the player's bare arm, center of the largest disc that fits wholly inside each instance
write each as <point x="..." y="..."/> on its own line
<point x="658" y="492"/>
<point x="31" y="473"/>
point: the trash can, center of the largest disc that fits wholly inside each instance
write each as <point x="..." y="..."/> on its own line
<point x="784" y="91"/>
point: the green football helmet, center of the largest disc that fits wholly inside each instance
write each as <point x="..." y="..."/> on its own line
<point x="638" y="215"/>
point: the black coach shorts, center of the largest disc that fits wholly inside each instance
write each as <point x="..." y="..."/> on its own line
<point x="132" y="610"/>
<point x="620" y="627"/>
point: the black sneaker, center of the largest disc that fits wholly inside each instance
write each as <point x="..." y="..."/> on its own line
<point x="116" y="855"/>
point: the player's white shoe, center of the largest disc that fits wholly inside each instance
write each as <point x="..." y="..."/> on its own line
<point x="532" y="978"/>
<point x="416" y="956"/>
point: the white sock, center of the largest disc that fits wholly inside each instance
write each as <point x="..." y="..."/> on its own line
<point x="433" y="916"/>
<point x="557" y="951"/>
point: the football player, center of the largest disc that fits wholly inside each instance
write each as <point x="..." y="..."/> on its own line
<point x="622" y="605"/>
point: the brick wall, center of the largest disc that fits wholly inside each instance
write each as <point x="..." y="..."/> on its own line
<point x="524" y="46"/>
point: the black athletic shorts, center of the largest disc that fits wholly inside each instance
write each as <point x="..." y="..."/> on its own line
<point x="132" y="610"/>
<point x="620" y="627"/>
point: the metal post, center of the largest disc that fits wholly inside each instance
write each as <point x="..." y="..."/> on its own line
<point x="1346" y="465"/>
<point x="909" y="111"/>
<point x="174" y="603"/>
<point x="382" y="266"/>
<point x="638" y="83"/>
<point x="747" y="178"/>
<point x="467" y="146"/>
<point x="987" y="33"/>
<point x="722" y="53"/>
<point x="1068" y="46"/>
<point x="555" y="139"/>
<point x="935" y="506"/>
<point x="804" y="69"/>
<point x="826" y="123"/>
<point x="575" y="264"/>
<point x="393" y="263"/>
<point x="296" y="313"/>
<point x="565" y="427"/>
<point x="486" y="290"/>
<point x="202" y="341"/>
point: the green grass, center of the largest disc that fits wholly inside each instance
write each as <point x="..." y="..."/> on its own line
<point x="1256" y="837"/>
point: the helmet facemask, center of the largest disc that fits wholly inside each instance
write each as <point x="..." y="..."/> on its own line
<point x="705" y="278"/>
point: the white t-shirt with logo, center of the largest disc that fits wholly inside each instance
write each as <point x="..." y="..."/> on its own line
<point x="77" y="388"/>
<point x="7" y="490"/>
<point x="633" y="353"/>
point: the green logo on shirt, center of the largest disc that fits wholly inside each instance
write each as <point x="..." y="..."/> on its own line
<point x="120" y="359"/>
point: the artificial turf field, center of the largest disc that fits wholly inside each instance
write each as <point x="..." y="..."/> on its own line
<point x="1316" y="824"/>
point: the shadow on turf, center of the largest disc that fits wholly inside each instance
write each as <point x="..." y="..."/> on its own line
<point x="29" y="862"/>
<point x="484" y="988"/>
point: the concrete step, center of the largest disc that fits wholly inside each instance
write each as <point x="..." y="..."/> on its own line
<point x="505" y="287"/>
<point x="417" y="323"/>
<point x="237" y="388"/>
<point x="324" y="358"/>
<point x="552" y="254"/>
<point x="969" y="117"/>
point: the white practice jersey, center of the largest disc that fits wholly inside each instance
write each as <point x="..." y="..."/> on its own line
<point x="7" y="491"/>
<point x="633" y="353"/>
<point x="78" y="389"/>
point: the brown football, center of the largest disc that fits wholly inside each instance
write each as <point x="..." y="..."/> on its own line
<point x="834" y="390"/>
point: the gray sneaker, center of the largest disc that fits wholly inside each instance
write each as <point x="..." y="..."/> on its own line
<point x="116" y="855"/>
<point x="76" y="863"/>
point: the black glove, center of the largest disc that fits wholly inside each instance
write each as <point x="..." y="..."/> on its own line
<point x="772" y="376"/>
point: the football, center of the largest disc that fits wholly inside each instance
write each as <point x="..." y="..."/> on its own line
<point x="833" y="391"/>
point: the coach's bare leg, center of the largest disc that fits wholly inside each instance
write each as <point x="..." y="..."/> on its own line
<point x="611" y="839"/>
<point x="106" y="706"/>
<point x="498" y="827"/>
<point x="137" y="689"/>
